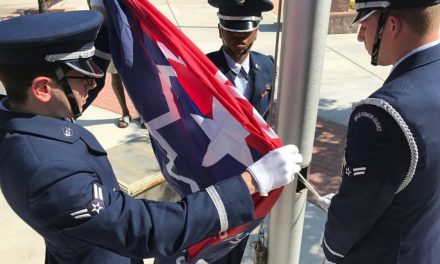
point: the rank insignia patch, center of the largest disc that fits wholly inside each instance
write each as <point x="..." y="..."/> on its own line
<point x="348" y="171"/>
<point x="94" y="207"/>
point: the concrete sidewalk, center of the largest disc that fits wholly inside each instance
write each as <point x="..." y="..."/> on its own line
<point x="347" y="77"/>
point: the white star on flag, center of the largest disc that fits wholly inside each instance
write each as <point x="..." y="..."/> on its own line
<point x="167" y="118"/>
<point x="227" y="136"/>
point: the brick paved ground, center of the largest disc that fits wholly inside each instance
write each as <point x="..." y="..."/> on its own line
<point x="327" y="151"/>
<point x="107" y="100"/>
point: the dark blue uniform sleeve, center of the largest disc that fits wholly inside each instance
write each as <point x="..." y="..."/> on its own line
<point x="377" y="158"/>
<point x="90" y="212"/>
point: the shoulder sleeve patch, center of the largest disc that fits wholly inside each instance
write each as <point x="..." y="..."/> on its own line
<point x="93" y="207"/>
<point x="371" y="117"/>
<point x="406" y="131"/>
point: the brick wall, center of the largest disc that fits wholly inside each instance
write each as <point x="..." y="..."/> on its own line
<point x="341" y="17"/>
<point x="339" y="6"/>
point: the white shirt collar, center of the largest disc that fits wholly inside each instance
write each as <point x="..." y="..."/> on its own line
<point x="234" y="66"/>
<point x="426" y="46"/>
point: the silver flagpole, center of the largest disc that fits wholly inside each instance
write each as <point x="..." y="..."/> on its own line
<point x="305" y="25"/>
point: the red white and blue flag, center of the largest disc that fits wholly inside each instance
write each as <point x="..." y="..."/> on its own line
<point x="203" y="130"/>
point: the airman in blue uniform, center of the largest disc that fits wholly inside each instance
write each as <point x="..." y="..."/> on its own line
<point x="388" y="206"/>
<point x="250" y="71"/>
<point x="56" y="176"/>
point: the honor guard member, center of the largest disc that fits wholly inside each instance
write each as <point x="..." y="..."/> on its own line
<point x="388" y="206"/>
<point x="56" y="176"/>
<point x="250" y="71"/>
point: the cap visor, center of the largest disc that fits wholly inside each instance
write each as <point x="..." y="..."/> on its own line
<point x="86" y="67"/>
<point x="239" y="26"/>
<point x="362" y="15"/>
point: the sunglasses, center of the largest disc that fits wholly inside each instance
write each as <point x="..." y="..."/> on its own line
<point x="88" y="79"/>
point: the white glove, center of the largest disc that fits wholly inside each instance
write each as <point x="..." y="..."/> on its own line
<point x="277" y="168"/>
<point x="325" y="201"/>
<point x="99" y="3"/>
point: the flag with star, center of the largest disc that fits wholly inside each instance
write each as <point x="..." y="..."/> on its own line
<point x="202" y="129"/>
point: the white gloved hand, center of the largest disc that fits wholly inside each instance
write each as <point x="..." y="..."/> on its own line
<point x="325" y="201"/>
<point x="277" y="168"/>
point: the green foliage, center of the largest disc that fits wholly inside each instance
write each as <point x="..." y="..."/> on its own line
<point x="352" y="5"/>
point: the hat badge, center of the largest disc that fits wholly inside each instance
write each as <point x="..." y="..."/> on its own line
<point x="240" y="2"/>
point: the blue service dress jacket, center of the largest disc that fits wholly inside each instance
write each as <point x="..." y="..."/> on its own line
<point x="388" y="206"/>
<point x="260" y="76"/>
<point x="260" y="81"/>
<point x="57" y="178"/>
